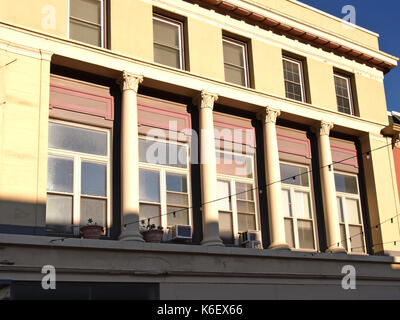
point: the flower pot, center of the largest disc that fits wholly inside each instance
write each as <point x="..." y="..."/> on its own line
<point x="92" y="231"/>
<point x="154" y="235"/>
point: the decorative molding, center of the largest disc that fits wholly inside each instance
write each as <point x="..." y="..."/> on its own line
<point x="269" y="115"/>
<point x="305" y="143"/>
<point x="236" y="139"/>
<point x="130" y="81"/>
<point x="323" y="128"/>
<point x="205" y="100"/>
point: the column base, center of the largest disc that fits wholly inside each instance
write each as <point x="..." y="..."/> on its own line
<point x="279" y="246"/>
<point x="336" y="250"/>
<point x="212" y="242"/>
<point x="131" y="236"/>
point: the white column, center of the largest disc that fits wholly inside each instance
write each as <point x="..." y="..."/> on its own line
<point x="328" y="188"/>
<point x="208" y="169"/>
<point x="273" y="178"/>
<point x="130" y="158"/>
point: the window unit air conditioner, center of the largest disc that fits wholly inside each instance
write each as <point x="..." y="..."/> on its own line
<point x="180" y="232"/>
<point x="250" y="239"/>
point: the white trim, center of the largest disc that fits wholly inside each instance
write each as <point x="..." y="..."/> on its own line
<point x="180" y="33"/>
<point x="243" y="46"/>
<point x="301" y="75"/>
<point x="102" y="31"/>
<point x="349" y="91"/>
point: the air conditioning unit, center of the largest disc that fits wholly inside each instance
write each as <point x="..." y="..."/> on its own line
<point x="250" y="239"/>
<point x="180" y="232"/>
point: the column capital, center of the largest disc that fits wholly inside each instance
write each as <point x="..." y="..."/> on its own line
<point x="269" y="115"/>
<point x="130" y="81"/>
<point x="323" y="128"/>
<point x="205" y="100"/>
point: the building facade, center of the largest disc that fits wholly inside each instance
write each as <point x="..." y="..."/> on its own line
<point x="236" y="118"/>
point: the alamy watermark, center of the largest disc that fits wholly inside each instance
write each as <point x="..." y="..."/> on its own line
<point x="349" y="280"/>
<point x="49" y="278"/>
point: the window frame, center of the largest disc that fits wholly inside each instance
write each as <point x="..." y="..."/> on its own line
<point x="103" y="11"/>
<point x="78" y="158"/>
<point x="292" y="188"/>
<point x="343" y="196"/>
<point x="245" y="58"/>
<point x="180" y="26"/>
<point x="162" y="171"/>
<point x="233" y="196"/>
<point x="349" y="90"/>
<point x="300" y="64"/>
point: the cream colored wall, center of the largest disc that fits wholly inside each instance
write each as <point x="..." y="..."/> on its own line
<point x="321" y="84"/>
<point x="37" y="14"/>
<point x="268" y="69"/>
<point x="327" y="23"/>
<point x="23" y="140"/>
<point x="371" y="99"/>
<point x="205" y="49"/>
<point x="382" y="196"/>
<point x="132" y="28"/>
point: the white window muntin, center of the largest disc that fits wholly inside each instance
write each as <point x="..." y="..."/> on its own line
<point x="101" y="25"/>
<point x="343" y="196"/>
<point x="292" y="188"/>
<point x="233" y="199"/>
<point x="162" y="171"/>
<point x="180" y="32"/>
<point x="243" y="47"/>
<point x="233" y="157"/>
<point x="78" y="158"/>
<point x="301" y="76"/>
<point x="349" y="94"/>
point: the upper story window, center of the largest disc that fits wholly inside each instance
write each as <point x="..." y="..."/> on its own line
<point x="164" y="190"/>
<point x="78" y="177"/>
<point x="86" y="21"/>
<point x="236" y="62"/>
<point x="294" y="79"/>
<point x="350" y="216"/>
<point x="297" y="206"/>
<point x="343" y="94"/>
<point x="168" y="42"/>
<point x="236" y="187"/>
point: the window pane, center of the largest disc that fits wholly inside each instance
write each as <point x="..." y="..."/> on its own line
<point x="287" y="210"/>
<point x="181" y="216"/>
<point x="233" y="53"/>
<point x="302" y="208"/>
<point x="246" y="222"/>
<point x="352" y="211"/>
<point x="234" y="165"/>
<point x="60" y="174"/>
<point x="166" y="33"/>
<point x="357" y="239"/>
<point x="85" y="32"/>
<point x="77" y="139"/>
<point x="291" y="71"/>
<point x="167" y="56"/>
<point x="244" y="191"/>
<point x="245" y="206"/>
<point x="176" y="182"/>
<point x="289" y="232"/>
<point x="158" y="152"/>
<point x="89" y="10"/>
<point x="151" y="211"/>
<point x="59" y="213"/>
<point x="343" y="236"/>
<point x="149" y="185"/>
<point x="93" y="179"/>
<point x="300" y="174"/>
<point x="235" y="75"/>
<point x="340" y="209"/>
<point x="306" y="234"/>
<point x="95" y="209"/>
<point x="345" y="183"/>
<point x="177" y="198"/>
<point x="226" y="227"/>
<point x="224" y="190"/>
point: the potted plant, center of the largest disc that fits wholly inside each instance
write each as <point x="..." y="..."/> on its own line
<point x="151" y="233"/>
<point x="91" y="230"/>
